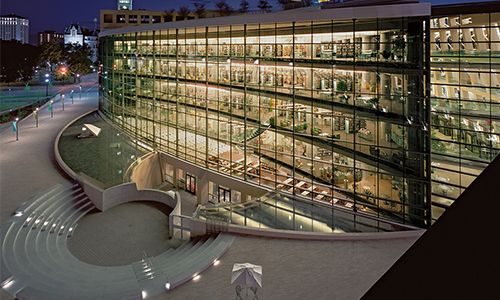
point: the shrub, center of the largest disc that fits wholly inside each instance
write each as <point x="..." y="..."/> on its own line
<point x="21" y="113"/>
<point x="6" y="117"/>
<point x="272" y="121"/>
<point x="342" y="86"/>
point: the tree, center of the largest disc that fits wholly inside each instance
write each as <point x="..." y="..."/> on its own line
<point x="79" y="58"/>
<point x="200" y="10"/>
<point x="61" y="73"/>
<point x="284" y="2"/>
<point x="52" y="54"/>
<point x="264" y="6"/>
<point x="307" y="2"/>
<point x="244" y="6"/>
<point x="168" y="15"/>
<point x="18" y="60"/>
<point x="183" y="12"/>
<point x="342" y="86"/>
<point x="223" y="8"/>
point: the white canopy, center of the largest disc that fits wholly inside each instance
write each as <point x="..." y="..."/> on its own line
<point x="247" y="274"/>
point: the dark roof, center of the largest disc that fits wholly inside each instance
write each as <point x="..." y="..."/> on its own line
<point x="12" y="15"/>
<point x="458" y="256"/>
<point x="77" y="26"/>
<point x="465" y="8"/>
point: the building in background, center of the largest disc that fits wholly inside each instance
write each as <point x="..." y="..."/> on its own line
<point x="124" y="4"/>
<point x="465" y="96"/>
<point x="92" y="40"/>
<point x="73" y="35"/>
<point x="76" y="34"/>
<point x="327" y="107"/>
<point x="14" y="27"/>
<point x="50" y="35"/>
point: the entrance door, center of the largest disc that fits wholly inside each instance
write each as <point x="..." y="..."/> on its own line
<point x="190" y="183"/>
<point x="224" y="194"/>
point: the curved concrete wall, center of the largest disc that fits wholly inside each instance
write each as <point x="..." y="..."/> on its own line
<point x="198" y="227"/>
<point x="147" y="173"/>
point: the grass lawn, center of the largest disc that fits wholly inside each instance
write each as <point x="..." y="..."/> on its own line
<point x="9" y="105"/>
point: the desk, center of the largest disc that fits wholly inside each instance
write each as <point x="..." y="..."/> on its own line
<point x="281" y="185"/>
<point x="300" y="184"/>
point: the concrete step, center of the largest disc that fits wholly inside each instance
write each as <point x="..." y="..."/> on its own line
<point x="39" y="198"/>
<point x="179" y="254"/>
<point x="204" y="259"/>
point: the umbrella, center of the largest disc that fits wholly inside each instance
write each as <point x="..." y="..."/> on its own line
<point x="247" y="274"/>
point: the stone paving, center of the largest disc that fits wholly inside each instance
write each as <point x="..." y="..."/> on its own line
<point x="292" y="269"/>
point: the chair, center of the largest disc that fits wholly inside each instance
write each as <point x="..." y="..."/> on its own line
<point x="238" y="292"/>
<point x="254" y="290"/>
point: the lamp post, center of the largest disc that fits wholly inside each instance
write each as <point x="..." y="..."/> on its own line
<point x="50" y="108"/>
<point x="47" y="87"/>
<point x="62" y="99"/>
<point x="80" y="91"/>
<point x="71" y="96"/>
<point x="17" y="129"/>
<point x="36" y="116"/>
<point x="78" y="76"/>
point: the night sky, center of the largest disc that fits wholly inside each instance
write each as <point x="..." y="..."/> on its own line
<point x="57" y="14"/>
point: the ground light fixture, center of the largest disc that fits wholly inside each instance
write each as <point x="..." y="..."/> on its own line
<point x="36" y="116"/>
<point x="50" y="108"/>
<point x="80" y="91"/>
<point x="71" y="96"/>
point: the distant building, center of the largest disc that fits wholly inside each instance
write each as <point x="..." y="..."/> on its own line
<point x="124" y="4"/>
<point x="75" y="34"/>
<point x="92" y="41"/>
<point x="14" y="27"/>
<point x="50" y="35"/>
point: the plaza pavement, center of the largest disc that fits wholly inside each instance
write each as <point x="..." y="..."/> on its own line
<point x="292" y="269"/>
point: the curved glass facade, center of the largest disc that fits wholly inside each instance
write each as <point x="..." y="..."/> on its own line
<point x="327" y="110"/>
<point x="465" y="100"/>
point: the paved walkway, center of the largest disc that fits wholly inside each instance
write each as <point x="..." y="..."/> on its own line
<point x="291" y="269"/>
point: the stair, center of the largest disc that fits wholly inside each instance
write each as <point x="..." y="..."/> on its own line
<point x="36" y="263"/>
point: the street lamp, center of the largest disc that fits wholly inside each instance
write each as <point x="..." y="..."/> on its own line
<point x="80" y="91"/>
<point x="62" y="96"/>
<point x="36" y="116"/>
<point x="78" y="76"/>
<point x="71" y="96"/>
<point x="50" y="108"/>
<point x="47" y="87"/>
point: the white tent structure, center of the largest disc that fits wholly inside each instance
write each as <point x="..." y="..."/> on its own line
<point x="89" y="130"/>
<point x="247" y="274"/>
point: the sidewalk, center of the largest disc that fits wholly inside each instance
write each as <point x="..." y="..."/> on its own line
<point x="28" y="166"/>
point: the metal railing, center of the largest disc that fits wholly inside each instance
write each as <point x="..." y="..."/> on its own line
<point x="180" y="226"/>
<point x="216" y="225"/>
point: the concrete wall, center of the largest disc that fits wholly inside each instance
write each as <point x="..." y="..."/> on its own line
<point x="128" y="192"/>
<point x="204" y="176"/>
<point x="147" y="173"/>
<point x="198" y="228"/>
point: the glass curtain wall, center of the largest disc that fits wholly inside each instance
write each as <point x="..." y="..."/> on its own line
<point x="331" y="111"/>
<point x="465" y="103"/>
